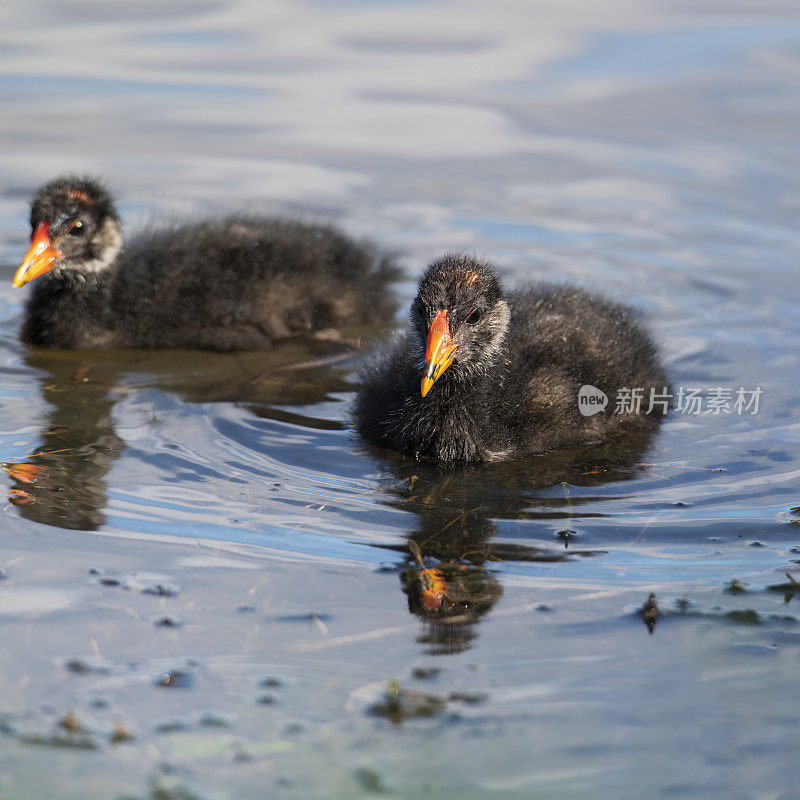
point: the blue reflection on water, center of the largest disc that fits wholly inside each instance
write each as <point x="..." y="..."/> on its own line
<point x="663" y="52"/>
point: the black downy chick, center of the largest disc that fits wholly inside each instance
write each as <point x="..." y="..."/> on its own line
<point x="489" y="375"/>
<point x="238" y="283"/>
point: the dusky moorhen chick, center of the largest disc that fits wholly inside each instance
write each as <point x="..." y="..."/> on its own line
<point x="484" y="374"/>
<point x="237" y="283"/>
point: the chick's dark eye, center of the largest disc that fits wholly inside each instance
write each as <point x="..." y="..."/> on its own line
<point x="77" y="229"/>
<point x="475" y="316"/>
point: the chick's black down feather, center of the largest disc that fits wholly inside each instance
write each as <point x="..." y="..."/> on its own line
<point x="238" y="283"/>
<point x="512" y="388"/>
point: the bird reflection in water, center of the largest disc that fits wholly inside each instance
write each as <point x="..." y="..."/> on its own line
<point x="448" y="571"/>
<point x="63" y="483"/>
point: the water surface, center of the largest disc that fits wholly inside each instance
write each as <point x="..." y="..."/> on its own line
<point x="218" y="516"/>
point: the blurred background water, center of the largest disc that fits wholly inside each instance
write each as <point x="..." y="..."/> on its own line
<point x="647" y="149"/>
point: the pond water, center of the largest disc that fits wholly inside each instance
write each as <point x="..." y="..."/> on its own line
<point x="210" y="586"/>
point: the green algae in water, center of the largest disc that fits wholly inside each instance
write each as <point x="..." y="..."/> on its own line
<point x="399" y="704"/>
<point x="746" y="616"/>
<point x="68" y="740"/>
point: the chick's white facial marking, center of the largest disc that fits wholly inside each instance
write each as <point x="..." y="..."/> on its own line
<point x="466" y="341"/>
<point x="103" y="244"/>
<point x="480" y="336"/>
<point x="458" y="319"/>
<point x="74" y="230"/>
<point x="74" y="243"/>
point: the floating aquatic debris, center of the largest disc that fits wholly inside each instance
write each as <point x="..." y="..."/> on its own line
<point x="120" y="734"/>
<point x="566" y="536"/>
<point x="747" y="616"/>
<point x="369" y="780"/>
<point x="470" y="698"/>
<point x="649" y="612"/>
<point x="70" y="722"/>
<point x="113" y="582"/>
<point x="171" y="726"/>
<point x="81" y="666"/>
<point x="168" y="622"/>
<point x="209" y="719"/>
<point x="267" y="699"/>
<point x="162" y="590"/>
<point x="69" y="733"/>
<point x="789" y="589"/>
<point x="172" y="788"/>
<point x="78" y="741"/>
<point x="310" y="617"/>
<point x="176" y="679"/>
<point x="399" y="704"/>
<point x="293" y="728"/>
<point x="425" y="673"/>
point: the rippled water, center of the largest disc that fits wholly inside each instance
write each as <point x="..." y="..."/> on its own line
<point x="646" y="149"/>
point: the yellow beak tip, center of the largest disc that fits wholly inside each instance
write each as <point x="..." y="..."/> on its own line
<point x="426" y="386"/>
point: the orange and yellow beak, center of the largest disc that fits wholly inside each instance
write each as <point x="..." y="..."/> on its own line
<point x="440" y="352"/>
<point x="39" y="258"/>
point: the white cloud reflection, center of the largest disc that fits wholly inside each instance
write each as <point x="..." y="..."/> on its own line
<point x="625" y="144"/>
